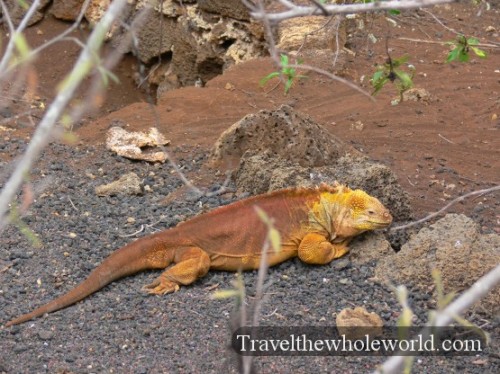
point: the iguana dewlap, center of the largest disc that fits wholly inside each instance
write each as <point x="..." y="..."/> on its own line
<point x="315" y="224"/>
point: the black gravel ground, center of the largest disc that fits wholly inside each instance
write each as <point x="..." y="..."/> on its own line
<point x="120" y="329"/>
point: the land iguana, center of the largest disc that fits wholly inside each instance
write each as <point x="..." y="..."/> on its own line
<point x="316" y="224"/>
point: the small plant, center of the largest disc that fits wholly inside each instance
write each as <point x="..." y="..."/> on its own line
<point x="462" y="48"/>
<point x="391" y="72"/>
<point x="287" y="73"/>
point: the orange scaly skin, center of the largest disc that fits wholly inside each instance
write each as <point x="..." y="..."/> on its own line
<point x="315" y="224"/>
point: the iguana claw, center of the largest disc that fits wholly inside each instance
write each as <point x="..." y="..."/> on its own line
<point x="161" y="286"/>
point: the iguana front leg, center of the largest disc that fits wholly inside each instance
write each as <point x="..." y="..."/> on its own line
<point x="315" y="249"/>
<point x="191" y="264"/>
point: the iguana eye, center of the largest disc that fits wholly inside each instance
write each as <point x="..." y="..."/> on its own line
<point x="371" y="212"/>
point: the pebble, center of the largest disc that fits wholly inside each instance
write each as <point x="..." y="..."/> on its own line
<point x="45" y="334"/>
<point x="341" y="264"/>
<point x="21" y="254"/>
<point x="19" y="348"/>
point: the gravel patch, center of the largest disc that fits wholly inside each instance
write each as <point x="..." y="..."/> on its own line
<point x="120" y="329"/>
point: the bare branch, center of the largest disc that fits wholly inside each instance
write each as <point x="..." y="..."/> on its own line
<point x="482" y="45"/>
<point x="320" y="6"/>
<point x="458" y="199"/>
<point x="476" y="292"/>
<point x="301" y="11"/>
<point x="5" y="13"/>
<point x="273" y="51"/>
<point x="441" y="23"/>
<point x="334" y="77"/>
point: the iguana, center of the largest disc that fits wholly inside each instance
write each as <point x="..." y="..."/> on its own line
<point x="315" y="224"/>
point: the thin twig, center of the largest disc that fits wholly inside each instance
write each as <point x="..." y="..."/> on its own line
<point x="273" y="51"/>
<point x="313" y="32"/>
<point x="439" y="21"/>
<point x="133" y="234"/>
<point x="476" y="292"/>
<point x="10" y="25"/>
<point x="442" y="137"/>
<point x="73" y="205"/>
<point x="337" y="43"/>
<point x="458" y="199"/>
<point x="261" y="277"/>
<point x="482" y="45"/>
<point x="334" y="77"/>
<point x="273" y="88"/>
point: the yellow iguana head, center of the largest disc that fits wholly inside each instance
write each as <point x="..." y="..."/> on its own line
<point x="366" y="212"/>
<point x="345" y="213"/>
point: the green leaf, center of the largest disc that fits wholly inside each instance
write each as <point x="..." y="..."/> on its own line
<point x="453" y="55"/>
<point x="22" y="45"/>
<point x="446" y="300"/>
<point x="264" y="80"/>
<point x="399" y="61"/>
<point x="288" y="84"/>
<point x="275" y="239"/>
<point x="106" y="75"/>
<point x="28" y="233"/>
<point x="377" y="76"/>
<point x="479" y="52"/>
<point x="463" y="56"/>
<point x="23" y="227"/>
<point x="263" y="216"/>
<point x="380" y="84"/>
<point x="23" y="4"/>
<point x="405" y="78"/>
<point x="225" y="294"/>
<point x="394" y="12"/>
<point x="289" y="72"/>
<point x="473" y="41"/>
<point x="78" y="74"/>
<point x="486" y="336"/>
<point x="284" y="60"/>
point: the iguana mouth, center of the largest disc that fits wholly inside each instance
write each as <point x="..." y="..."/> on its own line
<point x="379" y="224"/>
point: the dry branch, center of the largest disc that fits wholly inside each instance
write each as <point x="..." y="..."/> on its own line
<point x="294" y="11"/>
<point x="454" y="201"/>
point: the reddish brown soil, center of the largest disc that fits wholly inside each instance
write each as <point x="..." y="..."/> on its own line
<point x="439" y="149"/>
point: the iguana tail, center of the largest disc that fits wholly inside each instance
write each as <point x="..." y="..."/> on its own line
<point x="125" y="261"/>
